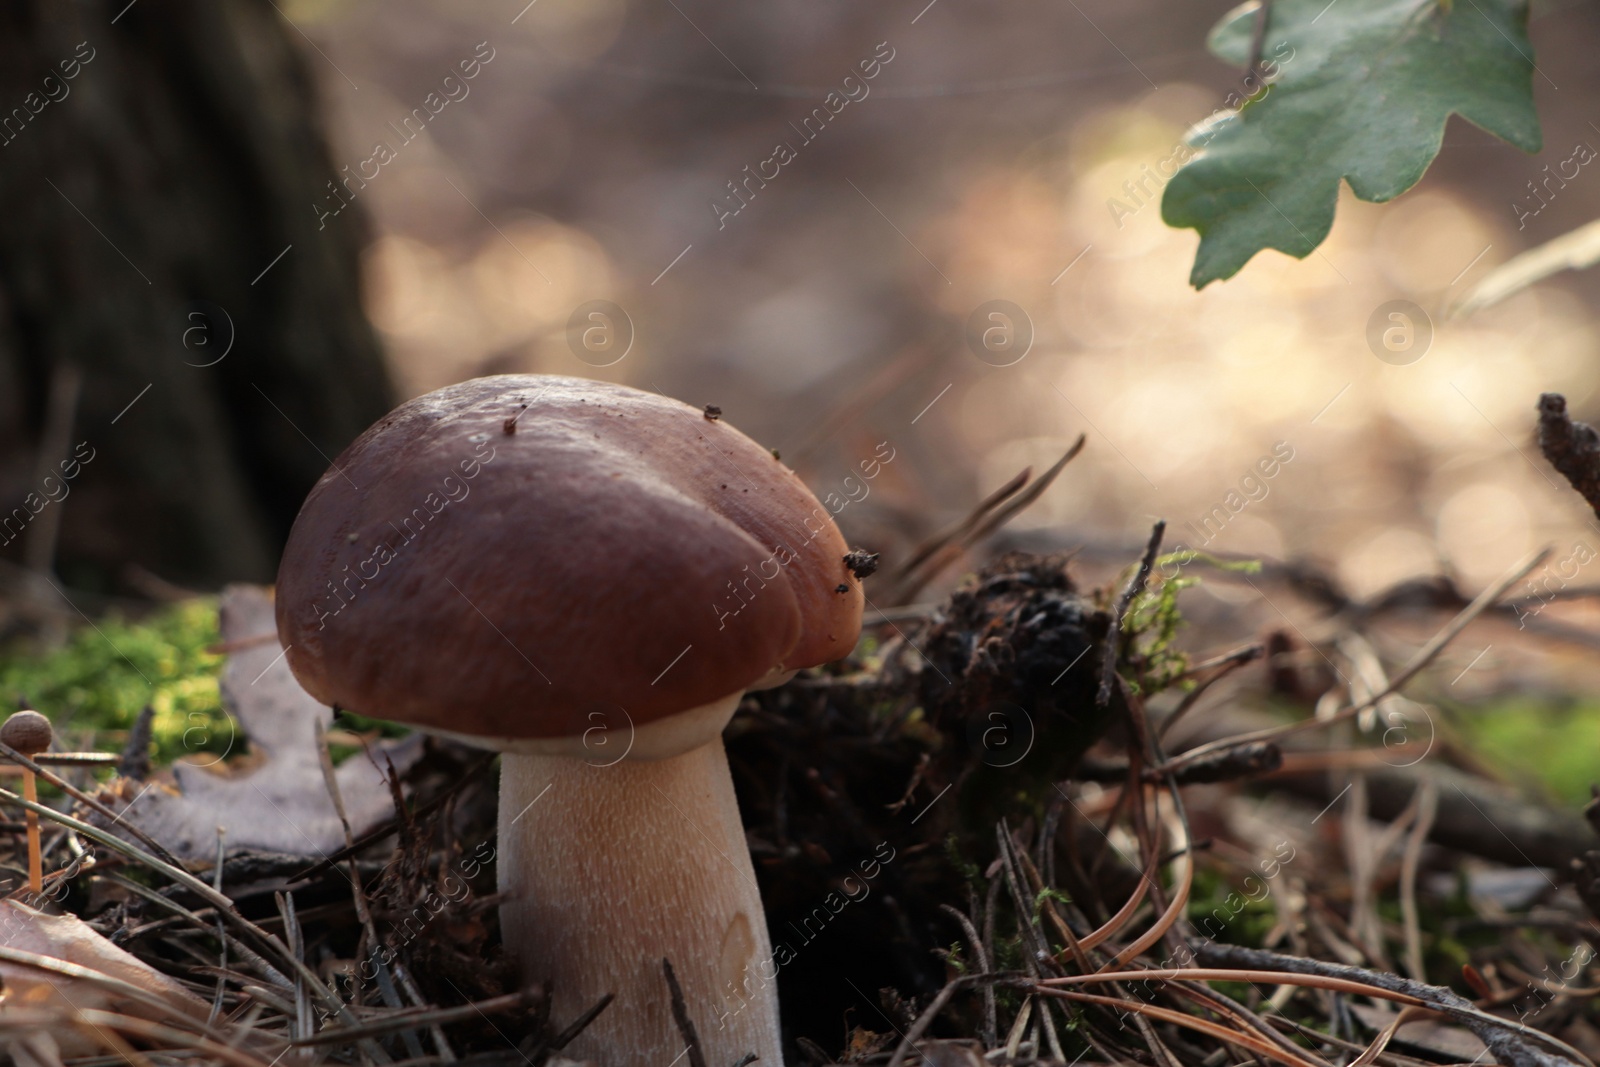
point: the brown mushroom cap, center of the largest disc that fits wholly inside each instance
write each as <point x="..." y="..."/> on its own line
<point x="480" y="567"/>
<point x="28" y="732"/>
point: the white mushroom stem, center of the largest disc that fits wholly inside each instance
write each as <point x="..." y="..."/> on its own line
<point x="609" y="870"/>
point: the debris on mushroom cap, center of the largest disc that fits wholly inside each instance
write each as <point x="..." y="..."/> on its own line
<point x="28" y="732"/>
<point x="713" y="413"/>
<point x="510" y="425"/>
<point x="508" y="586"/>
<point x="862" y="564"/>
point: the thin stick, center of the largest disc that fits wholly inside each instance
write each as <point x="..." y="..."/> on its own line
<point x="77" y="759"/>
<point x="407" y="983"/>
<point x="390" y="825"/>
<point x="580" y="1024"/>
<point x="680" y="1015"/>
<point x="927" y="549"/>
<point x="113" y="1041"/>
<point x="1108" y="666"/>
<point x="1009" y="509"/>
<point x="265" y="970"/>
<point x="170" y="1009"/>
<point x="1037" y="886"/>
<point x="1240" y="655"/>
<point x="30" y="792"/>
<point x="413" y="1018"/>
<point x="151" y="1031"/>
<point x="1178" y="1018"/>
<point x="1428" y="807"/>
<point x="1424" y="656"/>
<point x="222" y="930"/>
<point x="1124" y="914"/>
<point x="225" y="907"/>
<point x="1173" y="912"/>
<point x="982" y="959"/>
<point x="1224" y="666"/>
<point x="1386" y="1035"/>
<point x="993" y="512"/>
<point x="1258" y="37"/>
<point x="1009" y="979"/>
<point x="1226" y="1007"/>
<point x="1390" y="1059"/>
<point x="156" y="848"/>
<point x="363" y="911"/>
<point x="1231" y="974"/>
<point x="1019" y="1027"/>
<point x="1506" y="1038"/>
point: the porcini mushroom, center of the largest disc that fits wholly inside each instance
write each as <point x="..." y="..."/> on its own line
<point x="591" y="594"/>
<point x="30" y="734"/>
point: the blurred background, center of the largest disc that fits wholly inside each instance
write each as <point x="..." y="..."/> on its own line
<point x="242" y="230"/>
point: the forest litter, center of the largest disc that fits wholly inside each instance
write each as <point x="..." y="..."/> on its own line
<point x="1018" y="827"/>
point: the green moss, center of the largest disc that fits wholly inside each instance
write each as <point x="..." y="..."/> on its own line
<point x="1221" y="910"/>
<point x="94" y="686"/>
<point x="1008" y="956"/>
<point x="953" y="957"/>
<point x="369" y="729"/>
<point x="971" y="873"/>
<point x="1154" y="619"/>
<point x="361" y="724"/>
<point x="1551" y="741"/>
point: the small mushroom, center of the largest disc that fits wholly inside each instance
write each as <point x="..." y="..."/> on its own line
<point x="592" y="604"/>
<point x="30" y="734"/>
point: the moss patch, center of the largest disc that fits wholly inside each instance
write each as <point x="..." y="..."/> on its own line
<point x="1550" y="744"/>
<point x="94" y="686"/>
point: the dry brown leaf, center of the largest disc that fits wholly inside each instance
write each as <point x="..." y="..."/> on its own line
<point x="34" y="944"/>
<point x="276" y="800"/>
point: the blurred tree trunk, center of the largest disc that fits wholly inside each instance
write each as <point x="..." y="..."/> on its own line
<point x="159" y="163"/>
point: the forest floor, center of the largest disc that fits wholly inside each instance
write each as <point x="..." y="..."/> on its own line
<point x="1097" y="830"/>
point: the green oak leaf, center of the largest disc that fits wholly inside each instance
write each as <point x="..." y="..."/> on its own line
<point x="1362" y="92"/>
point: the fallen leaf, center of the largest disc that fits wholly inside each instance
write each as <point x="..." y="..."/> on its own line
<point x="33" y="991"/>
<point x="275" y="800"/>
